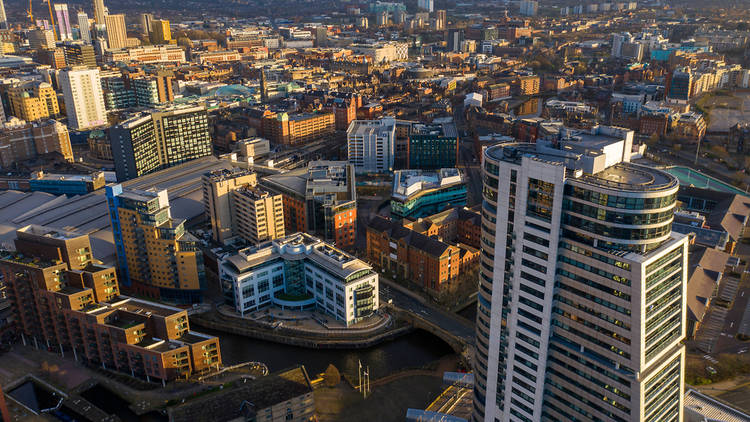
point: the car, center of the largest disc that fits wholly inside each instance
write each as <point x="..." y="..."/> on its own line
<point x="711" y="370"/>
<point x="743" y="350"/>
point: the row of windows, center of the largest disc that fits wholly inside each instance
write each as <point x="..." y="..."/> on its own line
<point x="594" y="270"/>
<point x="623" y="202"/>
<point x="598" y="257"/>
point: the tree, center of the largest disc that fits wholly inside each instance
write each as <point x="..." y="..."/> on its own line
<point x="332" y="376"/>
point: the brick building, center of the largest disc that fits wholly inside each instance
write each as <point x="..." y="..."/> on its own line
<point x="64" y="299"/>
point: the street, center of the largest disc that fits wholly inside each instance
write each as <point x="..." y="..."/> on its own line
<point x="452" y="323"/>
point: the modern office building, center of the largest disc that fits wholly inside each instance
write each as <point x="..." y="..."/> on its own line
<point x="433" y="146"/>
<point x="90" y="316"/>
<point x="418" y="193"/>
<point x="426" y="5"/>
<point x="257" y="214"/>
<point x="320" y="199"/>
<point x="371" y="145"/>
<point x="679" y="85"/>
<point x="159" y="139"/>
<point x="83" y="26"/>
<point x="66" y="184"/>
<point x="156" y="256"/>
<point x="146" y="54"/>
<point x="64" y="30"/>
<point x="160" y="32"/>
<point x="300" y="272"/>
<point x="117" y="34"/>
<point x="32" y="100"/>
<point x="218" y="201"/>
<point x="84" y="100"/>
<point x="582" y="284"/>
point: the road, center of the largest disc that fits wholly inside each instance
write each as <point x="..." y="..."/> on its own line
<point x="452" y="323"/>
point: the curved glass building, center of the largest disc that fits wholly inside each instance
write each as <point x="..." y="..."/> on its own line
<point x="581" y="311"/>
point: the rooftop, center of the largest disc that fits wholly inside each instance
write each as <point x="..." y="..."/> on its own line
<point x="411" y="182"/>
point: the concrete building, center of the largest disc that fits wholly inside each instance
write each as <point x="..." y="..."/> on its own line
<point x="157" y="257"/>
<point x="21" y="141"/>
<point x="79" y="54"/>
<point x="83" y="26"/>
<point x="32" y="101"/>
<point x="418" y="193"/>
<point x="300" y="272"/>
<point x="582" y="284"/>
<point x="159" y="139"/>
<point x="371" y="145"/>
<point x="320" y="199"/>
<point x="90" y="317"/>
<point x="99" y="12"/>
<point x="3" y="25"/>
<point x="146" y="19"/>
<point x="219" y="203"/>
<point x="84" y="100"/>
<point x="117" y="34"/>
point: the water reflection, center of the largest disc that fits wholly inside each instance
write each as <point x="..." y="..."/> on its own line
<point x="412" y="350"/>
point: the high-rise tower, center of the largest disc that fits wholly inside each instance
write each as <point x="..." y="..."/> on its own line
<point x="99" y="12"/>
<point x="582" y="284"/>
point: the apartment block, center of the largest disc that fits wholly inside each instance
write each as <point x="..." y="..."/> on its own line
<point x="81" y="310"/>
<point x="159" y="139"/>
<point x="84" y="100"/>
<point x="582" y="287"/>
<point x="257" y="214"/>
<point x="219" y="203"/>
<point x="157" y="257"/>
<point x="300" y="272"/>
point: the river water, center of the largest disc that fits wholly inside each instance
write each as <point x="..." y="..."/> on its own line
<point x="409" y="351"/>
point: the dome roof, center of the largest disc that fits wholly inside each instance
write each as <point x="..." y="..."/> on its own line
<point x="233" y="90"/>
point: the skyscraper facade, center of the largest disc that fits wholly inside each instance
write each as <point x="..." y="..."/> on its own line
<point x="63" y="21"/>
<point x="582" y="284"/>
<point x="83" y="27"/>
<point x="117" y="35"/>
<point x="157" y="257"/>
<point x="84" y="100"/>
<point x="160" y="32"/>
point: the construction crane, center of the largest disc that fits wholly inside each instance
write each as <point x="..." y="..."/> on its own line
<point x="51" y="18"/>
<point x="29" y="13"/>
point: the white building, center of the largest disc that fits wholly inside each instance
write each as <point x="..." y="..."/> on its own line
<point x="84" y="100"/>
<point x="528" y="7"/>
<point x="83" y="27"/>
<point x="371" y="145"/>
<point x="3" y="17"/>
<point x="426" y="5"/>
<point x="300" y="272"/>
<point x="582" y="284"/>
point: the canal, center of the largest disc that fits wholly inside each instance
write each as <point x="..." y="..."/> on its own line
<point x="409" y="351"/>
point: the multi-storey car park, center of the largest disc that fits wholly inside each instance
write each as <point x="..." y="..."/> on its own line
<point x="582" y="284"/>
